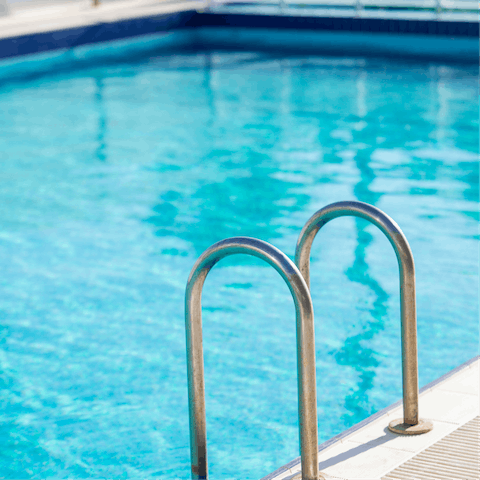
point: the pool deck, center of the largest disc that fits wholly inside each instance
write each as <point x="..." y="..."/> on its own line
<point x="61" y="16"/>
<point x="450" y="451"/>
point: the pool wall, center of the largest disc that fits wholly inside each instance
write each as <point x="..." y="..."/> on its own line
<point x="341" y="43"/>
<point x="80" y="55"/>
<point x="440" y="41"/>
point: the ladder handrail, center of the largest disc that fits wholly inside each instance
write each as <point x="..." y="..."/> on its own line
<point x="407" y="285"/>
<point x="307" y="396"/>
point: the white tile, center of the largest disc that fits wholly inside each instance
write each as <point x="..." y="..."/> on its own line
<point x="450" y="407"/>
<point x="467" y="381"/>
<point x="379" y="433"/>
<point x="353" y="461"/>
<point x="71" y="15"/>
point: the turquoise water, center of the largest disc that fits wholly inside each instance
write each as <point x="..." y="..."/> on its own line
<point x="115" y="177"/>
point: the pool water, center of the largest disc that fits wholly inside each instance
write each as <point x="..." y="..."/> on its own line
<point x="115" y="177"/>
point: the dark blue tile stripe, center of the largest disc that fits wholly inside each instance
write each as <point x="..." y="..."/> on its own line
<point x="41" y="42"/>
<point x="102" y="32"/>
<point x="373" y="25"/>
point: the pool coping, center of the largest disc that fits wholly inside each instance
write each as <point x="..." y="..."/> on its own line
<point x="376" y="416"/>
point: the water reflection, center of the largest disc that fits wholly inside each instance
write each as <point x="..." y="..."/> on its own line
<point x="356" y="352"/>
<point x="100" y="151"/>
<point x="244" y="193"/>
<point x="246" y="201"/>
<point x="208" y="87"/>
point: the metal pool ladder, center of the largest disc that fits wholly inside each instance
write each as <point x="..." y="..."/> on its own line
<point x="298" y="281"/>
<point x="307" y="396"/>
<point x="410" y="424"/>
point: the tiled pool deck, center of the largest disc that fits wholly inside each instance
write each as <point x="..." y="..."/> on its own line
<point x="370" y="451"/>
<point x="72" y="15"/>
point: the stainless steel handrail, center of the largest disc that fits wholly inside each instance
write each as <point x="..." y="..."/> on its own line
<point x="411" y="424"/>
<point x="307" y="397"/>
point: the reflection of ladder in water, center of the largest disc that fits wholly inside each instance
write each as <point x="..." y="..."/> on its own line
<point x="298" y="280"/>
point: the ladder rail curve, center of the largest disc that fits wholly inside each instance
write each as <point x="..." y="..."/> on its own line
<point x="306" y="375"/>
<point x="407" y="290"/>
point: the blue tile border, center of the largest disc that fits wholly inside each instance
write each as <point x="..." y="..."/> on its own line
<point x="90" y="34"/>
<point x="371" y="25"/>
<point x="370" y="419"/>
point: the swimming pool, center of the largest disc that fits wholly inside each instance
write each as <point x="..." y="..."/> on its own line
<point x="115" y="177"/>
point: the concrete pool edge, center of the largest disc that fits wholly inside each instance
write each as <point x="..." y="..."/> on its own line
<point x="373" y="418"/>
